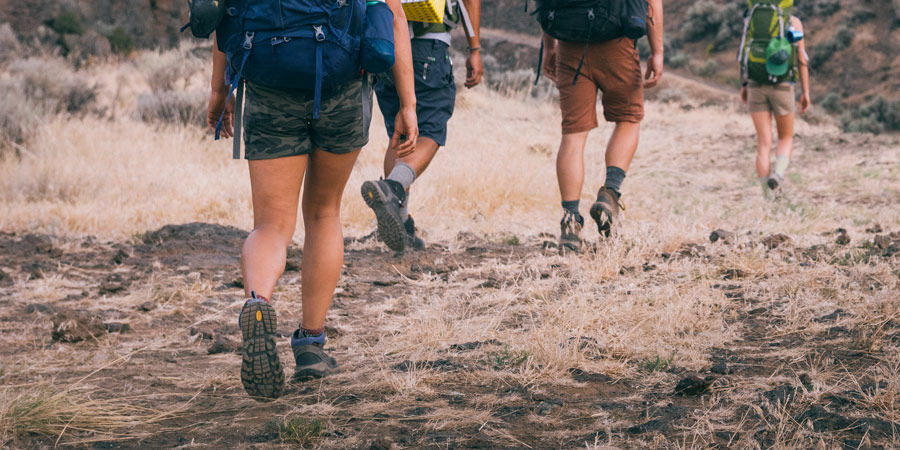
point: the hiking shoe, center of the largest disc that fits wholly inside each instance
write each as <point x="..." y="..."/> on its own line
<point x="412" y="241"/>
<point x="312" y="361"/>
<point x="606" y="209"/>
<point x="261" y="371"/>
<point x="775" y="181"/>
<point x="570" y="232"/>
<point x="386" y="198"/>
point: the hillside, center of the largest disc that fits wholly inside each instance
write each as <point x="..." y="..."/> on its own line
<point x="854" y="48"/>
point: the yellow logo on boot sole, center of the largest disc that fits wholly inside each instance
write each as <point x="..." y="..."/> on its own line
<point x="259" y="316"/>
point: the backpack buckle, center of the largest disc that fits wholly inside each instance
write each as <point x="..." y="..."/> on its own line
<point x="320" y="35"/>
<point x="248" y="40"/>
<point x="591" y="14"/>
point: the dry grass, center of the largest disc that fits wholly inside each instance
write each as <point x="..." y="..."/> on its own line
<point x="641" y="309"/>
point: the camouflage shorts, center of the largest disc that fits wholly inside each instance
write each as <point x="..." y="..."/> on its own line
<point x="279" y="123"/>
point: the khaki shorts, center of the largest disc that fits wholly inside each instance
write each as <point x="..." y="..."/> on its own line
<point x="614" y="67"/>
<point x="778" y="98"/>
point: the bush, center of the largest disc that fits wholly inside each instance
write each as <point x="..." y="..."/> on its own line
<point x="19" y="119"/>
<point x="678" y="60"/>
<point x="832" y="103"/>
<point x="177" y="107"/>
<point x="707" y="69"/>
<point x="120" y="41"/>
<point x="877" y="116"/>
<point x="53" y="85"/>
<point x="707" y="18"/>
<point x="169" y="70"/>
<point x="9" y="44"/>
<point x="817" y="8"/>
<point x="66" y="22"/>
<point x="825" y="51"/>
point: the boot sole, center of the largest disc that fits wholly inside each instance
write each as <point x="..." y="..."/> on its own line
<point x="604" y="225"/>
<point x="390" y="230"/>
<point x="261" y="372"/>
<point x="772" y="183"/>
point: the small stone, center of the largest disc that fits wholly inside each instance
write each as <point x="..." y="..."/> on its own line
<point x="183" y="269"/>
<point x="38" y="308"/>
<point x="875" y="229"/>
<point x="223" y="344"/>
<point x="775" y="240"/>
<point x="726" y="237"/>
<point x="842" y="238"/>
<point x="720" y="367"/>
<point x="5" y="279"/>
<point x="147" y="306"/>
<point x="546" y="408"/>
<point x="193" y="276"/>
<point x="117" y="327"/>
<point x="693" y="384"/>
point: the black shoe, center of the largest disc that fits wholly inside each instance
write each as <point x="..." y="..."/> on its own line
<point x="775" y="181"/>
<point x="312" y="361"/>
<point x="605" y="211"/>
<point x="261" y="371"/>
<point x="570" y="232"/>
<point x="386" y="198"/>
<point x="413" y="242"/>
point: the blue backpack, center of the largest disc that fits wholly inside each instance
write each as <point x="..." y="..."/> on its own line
<point x="314" y="45"/>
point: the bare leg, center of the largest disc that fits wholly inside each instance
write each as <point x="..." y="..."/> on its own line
<point x="419" y="160"/>
<point x="323" y="247"/>
<point x="570" y="165"/>
<point x="276" y="191"/>
<point x="622" y="145"/>
<point x="785" y="127"/>
<point x="763" y="123"/>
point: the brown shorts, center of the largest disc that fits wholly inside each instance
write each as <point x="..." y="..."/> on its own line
<point x="614" y="67"/>
<point x="777" y="99"/>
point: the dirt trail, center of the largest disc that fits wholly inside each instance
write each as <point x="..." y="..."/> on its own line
<point x="167" y="303"/>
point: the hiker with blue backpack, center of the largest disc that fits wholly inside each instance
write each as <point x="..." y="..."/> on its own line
<point x="773" y="57"/>
<point x="436" y="97"/>
<point x="304" y="65"/>
<point x="590" y="45"/>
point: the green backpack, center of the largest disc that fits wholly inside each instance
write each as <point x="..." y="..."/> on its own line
<point x="765" y="55"/>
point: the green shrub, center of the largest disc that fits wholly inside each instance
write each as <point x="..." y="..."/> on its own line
<point x="708" y="69"/>
<point x="9" y="44"/>
<point x="877" y="116"/>
<point x="120" y="41"/>
<point x="678" y="60"/>
<point x="707" y="18"/>
<point x="297" y="430"/>
<point x="66" y="22"/>
<point x="832" y="103"/>
<point x="171" y="69"/>
<point x="860" y="16"/>
<point x="825" y="51"/>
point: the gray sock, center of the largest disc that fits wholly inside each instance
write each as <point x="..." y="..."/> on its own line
<point x="614" y="178"/>
<point x="571" y="206"/>
<point x="404" y="174"/>
<point x="404" y="208"/>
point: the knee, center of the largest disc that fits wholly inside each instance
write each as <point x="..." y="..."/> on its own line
<point x="316" y="211"/>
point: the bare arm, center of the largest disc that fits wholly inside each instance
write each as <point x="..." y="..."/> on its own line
<point x="655" y="36"/>
<point x="551" y="53"/>
<point x="803" y="61"/>
<point x="474" y="68"/>
<point x="406" y="131"/>
<point x="219" y="95"/>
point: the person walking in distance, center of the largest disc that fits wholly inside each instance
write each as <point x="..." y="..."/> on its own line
<point x="770" y="66"/>
<point x="389" y="198"/>
<point x="305" y="125"/>
<point x="581" y="62"/>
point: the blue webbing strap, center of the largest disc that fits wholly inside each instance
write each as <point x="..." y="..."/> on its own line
<point x="235" y="80"/>
<point x="540" y="59"/>
<point x="238" y="115"/>
<point x="320" y="37"/>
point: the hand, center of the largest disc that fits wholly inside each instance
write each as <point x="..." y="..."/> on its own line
<point x="654" y="70"/>
<point x="551" y="58"/>
<point x="406" y="132"/>
<point x="804" y="103"/>
<point x="744" y="95"/>
<point x="474" y="69"/>
<point x="217" y="100"/>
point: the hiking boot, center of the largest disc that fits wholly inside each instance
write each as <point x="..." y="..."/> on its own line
<point x="570" y="232"/>
<point x="775" y="181"/>
<point x="312" y="361"/>
<point x="261" y="371"/>
<point x="386" y="198"/>
<point x="606" y="210"/>
<point x="412" y="241"/>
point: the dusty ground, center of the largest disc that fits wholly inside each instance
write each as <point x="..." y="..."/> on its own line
<point x="120" y="331"/>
